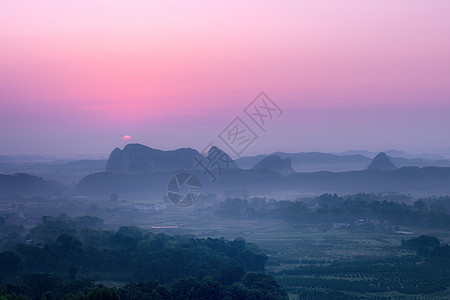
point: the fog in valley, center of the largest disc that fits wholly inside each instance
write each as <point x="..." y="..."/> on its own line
<point x="277" y="228"/>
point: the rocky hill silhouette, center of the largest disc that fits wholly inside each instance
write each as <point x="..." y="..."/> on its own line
<point x="137" y="158"/>
<point x="275" y="163"/>
<point x="381" y="162"/>
<point x="24" y="184"/>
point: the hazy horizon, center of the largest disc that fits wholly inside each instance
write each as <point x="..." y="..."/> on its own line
<point x="73" y="156"/>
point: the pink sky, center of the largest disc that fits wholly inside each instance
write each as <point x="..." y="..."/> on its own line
<point x="76" y="77"/>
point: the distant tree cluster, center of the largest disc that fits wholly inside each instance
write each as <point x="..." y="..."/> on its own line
<point x="252" y="286"/>
<point x="428" y="246"/>
<point x="185" y="267"/>
<point x="328" y="208"/>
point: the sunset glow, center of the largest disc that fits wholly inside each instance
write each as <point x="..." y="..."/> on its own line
<point x="174" y="73"/>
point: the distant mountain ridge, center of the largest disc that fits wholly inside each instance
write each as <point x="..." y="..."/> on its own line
<point x="317" y="161"/>
<point x="429" y="180"/>
<point x="85" y="164"/>
<point x="24" y="184"/>
<point x="138" y="169"/>
<point x="313" y="161"/>
<point x="275" y="163"/>
<point x="137" y="158"/>
<point x="215" y="153"/>
<point x="381" y="162"/>
<point x="394" y="153"/>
